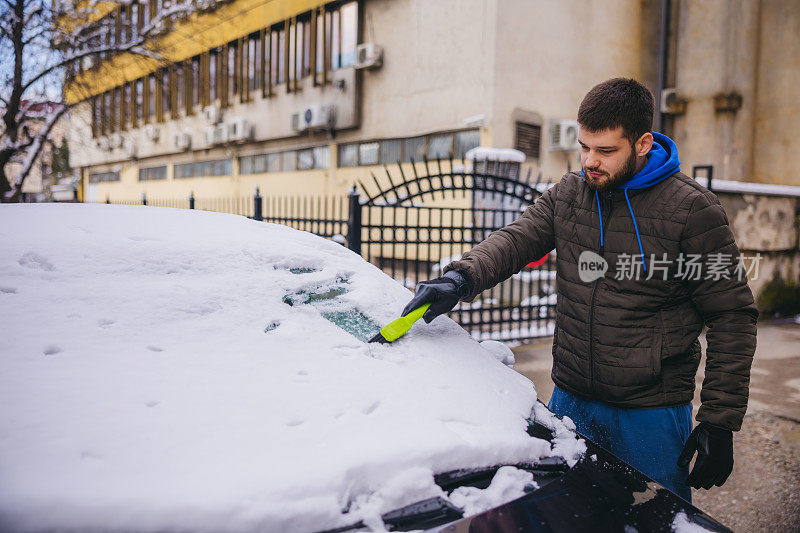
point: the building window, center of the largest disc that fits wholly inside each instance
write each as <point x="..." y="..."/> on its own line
<point x="98" y="177"/>
<point x="277" y="55"/>
<point x="466" y="141"/>
<point x="273" y="162"/>
<point x="97" y="116"/>
<point x="305" y="159"/>
<point x="117" y="110"/>
<point x="107" y="113"/>
<point x="368" y="153"/>
<point x="153" y="173"/>
<point x="219" y="167"/>
<point x="413" y="148"/>
<point x="348" y="155"/>
<point x="165" y="93"/>
<point x="213" y="65"/>
<point x="253" y="164"/>
<point x="288" y="161"/>
<point x="391" y="151"/>
<point x="440" y="146"/>
<point x="151" y="96"/>
<point x="343" y="23"/>
<point x="197" y="85"/>
<point x="139" y="100"/>
<point x="313" y="158"/>
<point x="349" y="33"/>
<point x="527" y="139"/>
<point x="179" y="90"/>
<point x="255" y="62"/>
<point x="144" y="12"/>
<point x="233" y="82"/>
<point x="320" y="42"/>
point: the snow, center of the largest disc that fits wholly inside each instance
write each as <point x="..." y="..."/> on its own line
<point x="487" y="153"/>
<point x="501" y="352"/>
<point x="154" y="377"/>
<point x="682" y="524"/>
<point x="745" y="187"/>
<point x="509" y="483"/>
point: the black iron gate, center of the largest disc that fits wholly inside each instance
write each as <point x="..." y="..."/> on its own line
<point x="412" y="226"/>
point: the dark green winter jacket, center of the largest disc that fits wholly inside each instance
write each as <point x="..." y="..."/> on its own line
<point x="634" y="342"/>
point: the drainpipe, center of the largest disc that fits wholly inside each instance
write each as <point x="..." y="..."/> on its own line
<point x="663" y="52"/>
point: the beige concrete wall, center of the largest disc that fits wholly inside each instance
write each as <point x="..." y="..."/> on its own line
<point x="437" y="68"/>
<point x="751" y="47"/>
<point x="717" y="44"/>
<point x="548" y="56"/>
<point x="777" y="117"/>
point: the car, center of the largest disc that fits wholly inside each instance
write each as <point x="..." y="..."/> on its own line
<point x="166" y="369"/>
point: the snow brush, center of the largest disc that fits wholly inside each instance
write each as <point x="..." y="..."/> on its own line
<point x="397" y="328"/>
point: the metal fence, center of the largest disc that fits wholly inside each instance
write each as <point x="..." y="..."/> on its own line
<point x="398" y="225"/>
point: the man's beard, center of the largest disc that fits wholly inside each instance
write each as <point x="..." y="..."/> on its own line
<point x="625" y="173"/>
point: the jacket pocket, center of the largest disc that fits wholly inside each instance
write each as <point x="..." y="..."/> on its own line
<point x="657" y="352"/>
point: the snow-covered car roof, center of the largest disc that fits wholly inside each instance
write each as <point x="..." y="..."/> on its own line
<point x="166" y="369"/>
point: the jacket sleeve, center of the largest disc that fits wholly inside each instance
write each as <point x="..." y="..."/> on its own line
<point x="724" y="300"/>
<point x="507" y="250"/>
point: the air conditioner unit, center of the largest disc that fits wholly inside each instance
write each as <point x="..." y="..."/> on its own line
<point x="240" y="129"/>
<point x="671" y="103"/>
<point x="564" y="135"/>
<point x="115" y="141"/>
<point x="216" y="134"/>
<point x="103" y="143"/>
<point x="182" y="141"/>
<point x="368" y="55"/>
<point x="152" y="132"/>
<point x="212" y="114"/>
<point x="313" y="118"/>
<point x="130" y="149"/>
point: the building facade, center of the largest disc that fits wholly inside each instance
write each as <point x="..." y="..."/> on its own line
<point x="309" y="96"/>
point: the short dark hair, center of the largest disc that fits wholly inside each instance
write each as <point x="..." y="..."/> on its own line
<point x="618" y="102"/>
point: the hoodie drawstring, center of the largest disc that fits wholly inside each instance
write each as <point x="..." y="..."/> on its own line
<point x="600" y="214"/>
<point x="635" y="227"/>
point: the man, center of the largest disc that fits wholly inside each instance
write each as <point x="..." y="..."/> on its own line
<point x="625" y="345"/>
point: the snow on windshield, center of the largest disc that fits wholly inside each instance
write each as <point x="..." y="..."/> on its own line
<point x="166" y="369"/>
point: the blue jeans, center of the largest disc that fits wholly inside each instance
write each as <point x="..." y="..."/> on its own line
<point x="649" y="440"/>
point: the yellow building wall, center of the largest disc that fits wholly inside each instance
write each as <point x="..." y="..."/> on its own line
<point x="188" y="38"/>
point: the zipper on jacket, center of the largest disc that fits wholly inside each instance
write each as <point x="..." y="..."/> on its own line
<point x="594" y="292"/>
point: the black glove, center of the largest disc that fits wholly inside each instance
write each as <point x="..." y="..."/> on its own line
<point x="442" y="293"/>
<point x="714" y="447"/>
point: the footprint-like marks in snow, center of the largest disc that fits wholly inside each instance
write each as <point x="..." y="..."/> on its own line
<point x="35" y="261"/>
<point x="8" y="290"/>
<point x="52" y="349"/>
<point x="155" y="349"/>
<point x="106" y="322"/>
<point x="295" y="422"/>
<point x="152" y="404"/>
<point x="371" y="409"/>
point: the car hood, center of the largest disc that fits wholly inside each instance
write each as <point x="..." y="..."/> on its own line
<point x="173" y="369"/>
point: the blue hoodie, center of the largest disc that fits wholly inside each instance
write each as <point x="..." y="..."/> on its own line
<point x="662" y="162"/>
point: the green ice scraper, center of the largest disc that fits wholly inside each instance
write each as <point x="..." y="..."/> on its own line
<point x="397" y="328"/>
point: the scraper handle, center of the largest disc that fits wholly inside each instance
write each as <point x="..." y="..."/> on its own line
<point x="397" y="328"/>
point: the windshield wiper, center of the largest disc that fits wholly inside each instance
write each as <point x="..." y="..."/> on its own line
<point x="543" y="471"/>
<point x="423" y="514"/>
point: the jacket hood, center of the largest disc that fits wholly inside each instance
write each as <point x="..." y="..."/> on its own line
<point x="662" y="162"/>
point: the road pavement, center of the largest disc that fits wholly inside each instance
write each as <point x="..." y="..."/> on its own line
<point x="763" y="493"/>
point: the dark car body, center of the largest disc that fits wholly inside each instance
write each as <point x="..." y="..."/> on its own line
<point x="599" y="493"/>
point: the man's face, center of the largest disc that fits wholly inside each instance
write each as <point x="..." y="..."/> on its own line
<point x="607" y="158"/>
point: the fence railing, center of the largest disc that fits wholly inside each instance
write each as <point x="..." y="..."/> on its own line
<point x="412" y="242"/>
